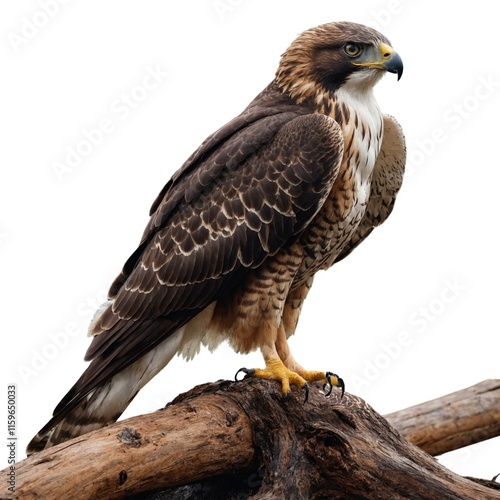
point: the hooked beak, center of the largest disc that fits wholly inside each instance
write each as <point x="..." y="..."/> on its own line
<point x="394" y="64"/>
<point x="389" y="61"/>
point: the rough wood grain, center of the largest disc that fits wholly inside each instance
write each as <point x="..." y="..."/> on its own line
<point x="450" y="422"/>
<point x="241" y="440"/>
<point x="199" y="439"/>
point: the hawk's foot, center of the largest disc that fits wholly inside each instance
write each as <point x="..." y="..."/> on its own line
<point x="329" y="379"/>
<point x="276" y="370"/>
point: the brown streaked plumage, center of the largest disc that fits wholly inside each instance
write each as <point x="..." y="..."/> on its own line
<point x="290" y="186"/>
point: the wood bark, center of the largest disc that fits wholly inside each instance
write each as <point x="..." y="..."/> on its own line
<point x="450" y="422"/>
<point x="242" y="440"/>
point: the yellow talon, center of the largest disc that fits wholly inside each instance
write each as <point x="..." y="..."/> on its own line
<point x="276" y="370"/>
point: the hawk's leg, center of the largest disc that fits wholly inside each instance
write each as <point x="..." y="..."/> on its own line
<point x="281" y="366"/>
<point x="329" y="379"/>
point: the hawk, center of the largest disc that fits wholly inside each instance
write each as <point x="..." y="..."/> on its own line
<point x="289" y="187"/>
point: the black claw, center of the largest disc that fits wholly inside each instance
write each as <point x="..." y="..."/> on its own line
<point x="329" y="386"/>
<point x="342" y="386"/>
<point x="246" y="371"/>
<point x="306" y="389"/>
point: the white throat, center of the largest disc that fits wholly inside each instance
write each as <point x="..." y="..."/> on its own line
<point x="365" y="126"/>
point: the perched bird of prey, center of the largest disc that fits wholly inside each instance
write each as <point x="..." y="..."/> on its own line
<point x="290" y="186"/>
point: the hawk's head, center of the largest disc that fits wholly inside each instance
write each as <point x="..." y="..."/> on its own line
<point x="328" y="56"/>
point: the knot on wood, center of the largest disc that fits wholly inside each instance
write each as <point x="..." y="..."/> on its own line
<point x="130" y="437"/>
<point x="122" y="477"/>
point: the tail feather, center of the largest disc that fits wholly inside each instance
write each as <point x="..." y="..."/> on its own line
<point x="106" y="403"/>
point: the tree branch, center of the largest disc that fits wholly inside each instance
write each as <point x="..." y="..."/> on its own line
<point x="228" y="440"/>
<point x="182" y="443"/>
<point x="450" y="422"/>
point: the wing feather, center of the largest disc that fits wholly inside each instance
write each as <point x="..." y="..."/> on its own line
<point x="301" y="186"/>
<point x="199" y="248"/>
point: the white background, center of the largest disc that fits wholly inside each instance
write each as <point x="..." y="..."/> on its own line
<point x="410" y="316"/>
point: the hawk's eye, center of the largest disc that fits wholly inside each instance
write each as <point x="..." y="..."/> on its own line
<point x="352" y="49"/>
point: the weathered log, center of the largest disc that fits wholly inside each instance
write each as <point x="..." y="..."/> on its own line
<point x="234" y="440"/>
<point x="450" y="422"/>
<point x="182" y="443"/>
